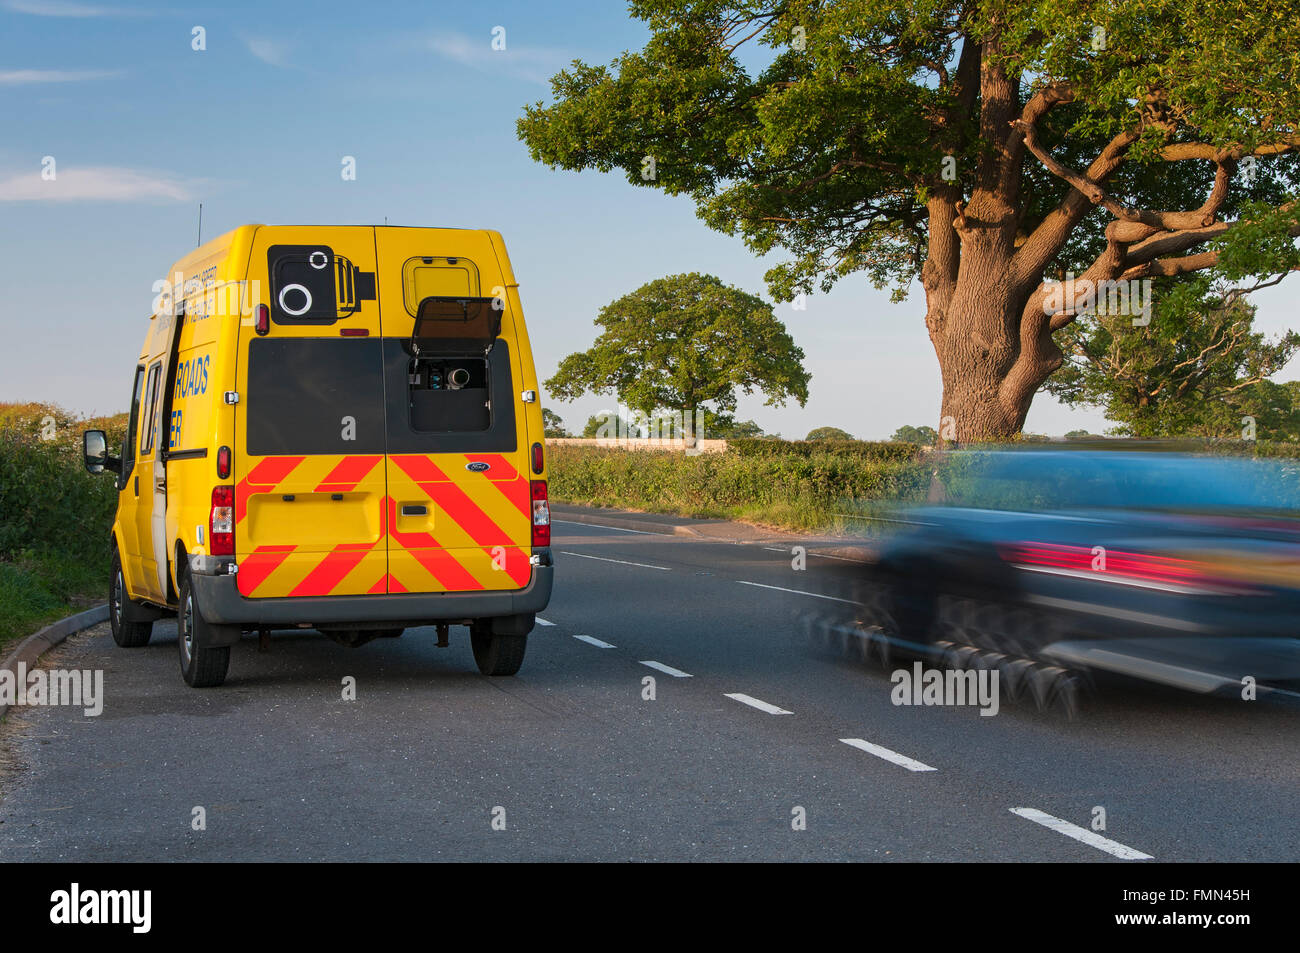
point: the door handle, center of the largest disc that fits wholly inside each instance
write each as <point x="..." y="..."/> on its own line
<point x="414" y="509"/>
<point x="137" y="486"/>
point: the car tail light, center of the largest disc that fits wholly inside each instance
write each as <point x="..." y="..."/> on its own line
<point x="223" y="463"/>
<point x="1113" y="565"/>
<point x="262" y="322"/>
<point x="539" y="459"/>
<point x="221" y="522"/>
<point x="541" y="513"/>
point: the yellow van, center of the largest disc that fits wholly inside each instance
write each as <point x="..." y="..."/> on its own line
<point x="334" y="428"/>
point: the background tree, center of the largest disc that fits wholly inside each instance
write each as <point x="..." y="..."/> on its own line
<point x="828" y="433"/>
<point x="986" y="147"/>
<point x="611" y="424"/>
<point x="552" y="425"/>
<point x="924" y="436"/>
<point x="686" y="342"/>
<point x="1197" y="369"/>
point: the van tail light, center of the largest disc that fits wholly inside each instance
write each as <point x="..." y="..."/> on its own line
<point x="221" y="522"/>
<point x="262" y="320"/>
<point x="223" y="463"/>
<point x="538" y="459"/>
<point x="541" y="513"/>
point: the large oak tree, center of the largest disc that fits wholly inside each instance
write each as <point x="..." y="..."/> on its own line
<point x="986" y="148"/>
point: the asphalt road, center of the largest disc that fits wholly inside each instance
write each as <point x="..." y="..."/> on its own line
<point x="579" y="764"/>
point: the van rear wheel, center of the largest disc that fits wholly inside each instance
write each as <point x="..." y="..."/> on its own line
<point x="497" y="654"/>
<point x="201" y="667"/>
<point x="129" y="635"/>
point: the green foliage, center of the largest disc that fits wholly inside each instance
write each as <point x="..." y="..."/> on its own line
<point x="865" y="449"/>
<point x="925" y="436"/>
<point x="54" y="516"/>
<point x="799" y="491"/>
<point x="828" y="433"/>
<point x="829" y="146"/>
<point x="552" y="425"/>
<point x="684" y="342"/>
<point x="725" y="427"/>
<point x="1197" y="369"/>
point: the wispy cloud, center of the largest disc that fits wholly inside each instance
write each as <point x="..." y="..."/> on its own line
<point x="61" y="8"/>
<point x="536" y="64"/>
<point x="94" y="184"/>
<point x="27" y="77"/>
<point x="271" y="52"/>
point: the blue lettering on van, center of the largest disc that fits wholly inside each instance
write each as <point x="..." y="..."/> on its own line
<point x="192" y="377"/>
<point x="174" y="439"/>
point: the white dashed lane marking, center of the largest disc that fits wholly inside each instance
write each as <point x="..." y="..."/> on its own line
<point x="541" y="621"/>
<point x="756" y="703"/>
<point x="893" y="757"/>
<point x="666" y="669"/>
<point x="590" y="640"/>
<point x="1081" y="834"/>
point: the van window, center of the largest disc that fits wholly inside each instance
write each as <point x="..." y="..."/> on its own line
<point x="315" y="395"/>
<point x="447" y="403"/>
<point x="151" y="407"/>
<point x="132" y="426"/>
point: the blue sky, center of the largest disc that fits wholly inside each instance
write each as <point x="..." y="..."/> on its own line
<point x="143" y="128"/>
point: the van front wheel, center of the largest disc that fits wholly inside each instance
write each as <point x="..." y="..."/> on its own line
<point x="497" y="654"/>
<point x="201" y="667"/>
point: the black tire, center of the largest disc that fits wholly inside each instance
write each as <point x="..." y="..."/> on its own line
<point x="497" y="654"/>
<point x="129" y="635"/>
<point x="200" y="667"/>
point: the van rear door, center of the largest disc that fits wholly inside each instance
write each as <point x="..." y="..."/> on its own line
<point x="458" y="507"/>
<point x="309" y="475"/>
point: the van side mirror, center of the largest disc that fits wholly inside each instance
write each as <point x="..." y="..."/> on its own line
<point x="94" y="447"/>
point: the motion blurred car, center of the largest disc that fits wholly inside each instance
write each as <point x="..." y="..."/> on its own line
<point x="1054" y="566"/>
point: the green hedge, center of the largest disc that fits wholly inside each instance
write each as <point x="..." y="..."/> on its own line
<point x="866" y="449"/>
<point x="54" y="524"/>
<point x="794" y="490"/>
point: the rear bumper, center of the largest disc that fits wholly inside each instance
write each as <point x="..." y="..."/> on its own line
<point x="220" y="602"/>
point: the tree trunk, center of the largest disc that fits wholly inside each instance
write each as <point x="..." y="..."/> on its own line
<point x="993" y="352"/>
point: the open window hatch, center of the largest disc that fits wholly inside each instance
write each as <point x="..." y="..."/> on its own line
<point x="448" y="376"/>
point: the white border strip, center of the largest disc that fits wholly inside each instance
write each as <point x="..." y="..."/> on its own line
<point x="622" y="562"/>
<point x="798" y="592"/>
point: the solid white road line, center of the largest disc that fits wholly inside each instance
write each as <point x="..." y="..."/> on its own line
<point x="541" y="621"/>
<point x="756" y="703"/>
<point x="594" y="641"/>
<point x="666" y="669"/>
<point x="1091" y="838"/>
<point x="894" y="757"/>
<point x="623" y="562"/>
<point x="617" y="529"/>
<point x="800" y="592"/>
<point x="783" y="549"/>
